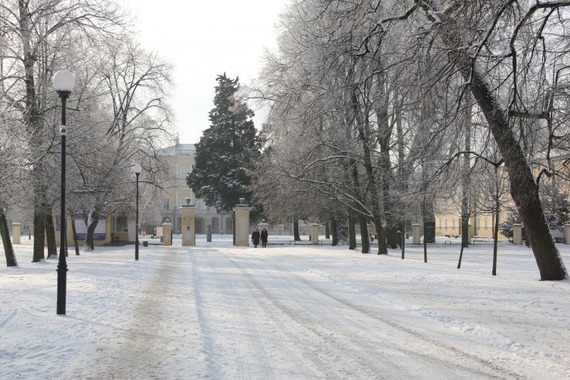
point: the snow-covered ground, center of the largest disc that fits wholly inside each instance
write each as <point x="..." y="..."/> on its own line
<point x="216" y="311"/>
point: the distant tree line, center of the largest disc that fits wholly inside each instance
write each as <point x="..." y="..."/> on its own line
<point x="117" y="114"/>
<point x="382" y="111"/>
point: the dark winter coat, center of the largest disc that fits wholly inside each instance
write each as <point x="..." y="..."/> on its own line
<point x="264" y="235"/>
<point x="255" y="237"/>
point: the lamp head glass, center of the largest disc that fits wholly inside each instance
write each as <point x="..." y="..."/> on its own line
<point x="63" y="80"/>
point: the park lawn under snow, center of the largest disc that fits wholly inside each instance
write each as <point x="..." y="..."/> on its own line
<point x="216" y="311"/>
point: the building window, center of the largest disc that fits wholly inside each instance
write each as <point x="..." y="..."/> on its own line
<point x="166" y="205"/>
<point x="184" y="170"/>
<point x="122" y="225"/>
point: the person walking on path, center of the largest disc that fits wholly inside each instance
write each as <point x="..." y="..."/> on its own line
<point x="264" y="236"/>
<point x="255" y="238"/>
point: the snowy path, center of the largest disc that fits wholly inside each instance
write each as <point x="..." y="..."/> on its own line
<point x="229" y="313"/>
<point x="158" y="339"/>
<point x="319" y="330"/>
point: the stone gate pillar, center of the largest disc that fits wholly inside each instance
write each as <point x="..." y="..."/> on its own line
<point x="242" y="223"/>
<point x="16" y="232"/>
<point x="315" y="227"/>
<point x="567" y="234"/>
<point x="263" y="225"/>
<point x="166" y="233"/>
<point x="416" y="233"/>
<point x="517" y="234"/>
<point x="188" y="212"/>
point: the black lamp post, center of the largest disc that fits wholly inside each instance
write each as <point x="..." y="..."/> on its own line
<point x="137" y="169"/>
<point x="63" y="82"/>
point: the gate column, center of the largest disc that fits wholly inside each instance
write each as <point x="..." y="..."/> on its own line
<point x="188" y="212"/>
<point x="242" y="223"/>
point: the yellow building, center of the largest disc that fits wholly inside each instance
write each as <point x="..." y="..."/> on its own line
<point x="480" y="225"/>
<point x="180" y="159"/>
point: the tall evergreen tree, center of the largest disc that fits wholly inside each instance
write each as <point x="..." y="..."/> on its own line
<point x="227" y="150"/>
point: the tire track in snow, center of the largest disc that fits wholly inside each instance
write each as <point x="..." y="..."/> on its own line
<point x="486" y="368"/>
<point x="255" y="352"/>
<point x="208" y="346"/>
<point x="456" y="361"/>
<point x="321" y="347"/>
<point x="9" y="318"/>
<point x="263" y="367"/>
<point x="284" y="339"/>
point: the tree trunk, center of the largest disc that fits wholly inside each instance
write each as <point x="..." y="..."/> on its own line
<point x="8" y="247"/>
<point x="403" y="237"/>
<point x="364" y="236"/>
<point x="466" y="180"/>
<point x="33" y="124"/>
<point x="296" y="235"/>
<point x="50" y="236"/>
<point x="385" y="165"/>
<point x="403" y="172"/>
<point x="496" y="234"/>
<point x="39" y="235"/>
<point x="351" y="230"/>
<point x="92" y="222"/>
<point x="424" y="228"/>
<point x="75" y="240"/>
<point x="89" y="240"/>
<point x="363" y="129"/>
<point x="464" y="229"/>
<point x="429" y="221"/>
<point x="233" y="227"/>
<point x="334" y="232"/>
<point x="392" y="235"/>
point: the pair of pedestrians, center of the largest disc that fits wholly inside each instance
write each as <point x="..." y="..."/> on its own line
<point x="256" y="236"/>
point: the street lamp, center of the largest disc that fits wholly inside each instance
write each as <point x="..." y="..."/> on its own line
<point x="63" y="82"/>
<point x="137" y="169"/>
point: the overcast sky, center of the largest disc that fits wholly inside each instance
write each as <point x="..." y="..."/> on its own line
<point x="203" y="39"/>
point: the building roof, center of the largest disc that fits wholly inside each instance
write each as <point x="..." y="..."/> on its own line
<point x="178" y="150"/>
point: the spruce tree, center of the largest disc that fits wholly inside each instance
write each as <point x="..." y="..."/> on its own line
<point x="227" y="150"/>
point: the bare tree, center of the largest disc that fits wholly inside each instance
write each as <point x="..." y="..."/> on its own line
<point x="452" y="32"/>
<point x="38" y="35"/>
<point x="496" y="48"/>
<point x="133" y="85"/>
<point x="340" y="64"/>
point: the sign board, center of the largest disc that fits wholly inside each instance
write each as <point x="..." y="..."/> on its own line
<point x="81" y="229"/>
